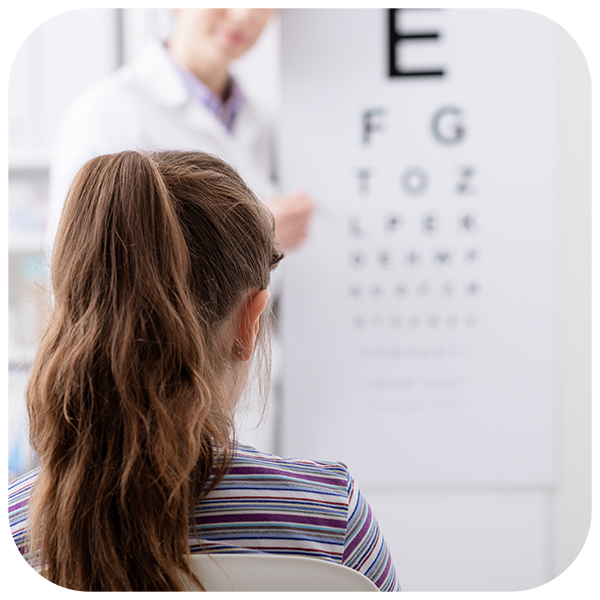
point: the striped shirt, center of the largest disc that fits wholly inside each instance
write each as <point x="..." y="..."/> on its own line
<point x="274" y="505"/>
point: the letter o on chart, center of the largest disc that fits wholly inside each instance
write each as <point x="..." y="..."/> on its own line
<point x="414" y="181"/>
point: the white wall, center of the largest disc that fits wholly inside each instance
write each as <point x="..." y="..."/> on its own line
<point x="519" y="539"/>
<point x="58" y="60"/>
<point x="572" y="500"/>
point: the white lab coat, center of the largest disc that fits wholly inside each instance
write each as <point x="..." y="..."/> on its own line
<point x="145" y="105"/>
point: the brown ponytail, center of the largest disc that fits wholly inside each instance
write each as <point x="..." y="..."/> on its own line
<point x="127" y="411"/>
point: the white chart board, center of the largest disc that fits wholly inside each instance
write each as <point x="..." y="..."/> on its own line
<point x="419" y="320"/>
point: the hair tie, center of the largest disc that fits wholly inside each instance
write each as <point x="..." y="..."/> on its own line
<point x="146" y="156"/>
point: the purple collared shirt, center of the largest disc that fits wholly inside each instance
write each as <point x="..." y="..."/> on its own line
<point x="225" y="110"/>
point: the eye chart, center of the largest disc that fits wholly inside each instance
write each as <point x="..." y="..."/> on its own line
<point x="419" y="320"/>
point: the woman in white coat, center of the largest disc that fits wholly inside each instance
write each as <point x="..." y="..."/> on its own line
<point x="180" y="95"/>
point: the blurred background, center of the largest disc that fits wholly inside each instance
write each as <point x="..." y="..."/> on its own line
<point x="450" y="537"/>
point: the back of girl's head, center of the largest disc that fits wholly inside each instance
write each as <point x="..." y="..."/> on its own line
<point x="167" y="215"/>
<point x="127" y="408"/>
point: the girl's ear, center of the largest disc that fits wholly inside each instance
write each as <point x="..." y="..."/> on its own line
<point x="249" y="323"/>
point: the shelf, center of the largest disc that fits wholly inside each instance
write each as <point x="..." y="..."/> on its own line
<point x="25" y="244"/>
<point x="20" y="358"/>
<point x="28" y="160"/>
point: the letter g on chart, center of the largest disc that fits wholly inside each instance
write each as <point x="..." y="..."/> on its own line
<point x="447" y="125"/>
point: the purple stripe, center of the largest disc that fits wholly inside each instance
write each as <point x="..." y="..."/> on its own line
<point x="258" y="517"/>
<point x="291" y="474"/>
<point x="360" y="535"/>
<point x="18" y="505"/>
<point x="386" y="571"/>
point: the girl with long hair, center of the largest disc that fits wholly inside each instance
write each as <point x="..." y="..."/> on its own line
<point x="160" y="272"/>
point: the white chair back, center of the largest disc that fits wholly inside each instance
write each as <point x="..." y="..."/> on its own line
<point x="276" y="573"/>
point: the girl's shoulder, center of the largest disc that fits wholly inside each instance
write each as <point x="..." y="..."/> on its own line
<point x="250" y="464"/>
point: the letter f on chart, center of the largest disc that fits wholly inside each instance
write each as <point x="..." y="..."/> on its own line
<point x="371" y="122"/>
